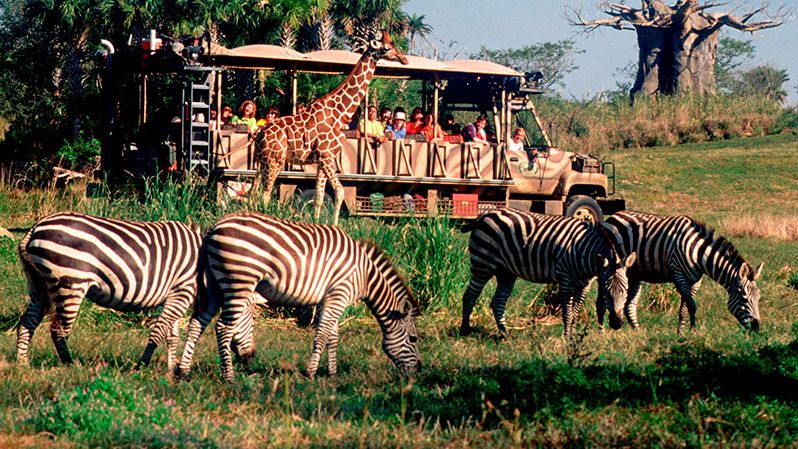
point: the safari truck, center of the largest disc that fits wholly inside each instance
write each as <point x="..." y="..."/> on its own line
<point x="415" y="176"/>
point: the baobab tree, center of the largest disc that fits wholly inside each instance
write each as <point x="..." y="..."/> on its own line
<point x="678" y="44"/>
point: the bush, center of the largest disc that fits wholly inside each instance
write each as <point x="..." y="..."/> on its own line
<point x="110" y="411"/>
<point x="79" y="154"/>
<point x="598" y="125"/>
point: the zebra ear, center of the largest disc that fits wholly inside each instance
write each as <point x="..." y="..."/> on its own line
<point x="602" y="261"/>
<point x="758" y="271"/>
<point x="630" y="260"/>
<point x="744" y="270"/>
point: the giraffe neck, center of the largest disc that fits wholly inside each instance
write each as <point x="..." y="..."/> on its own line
<point x="345" y="98"/>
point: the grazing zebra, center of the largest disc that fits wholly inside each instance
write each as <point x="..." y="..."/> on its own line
<point x="122" y="265"/>
<point x="682" y="250"/>
<point x="297" y="264"/>
<point x="509" y="244"/>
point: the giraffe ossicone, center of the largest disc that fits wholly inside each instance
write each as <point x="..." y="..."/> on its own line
<point x="315" y="135"/>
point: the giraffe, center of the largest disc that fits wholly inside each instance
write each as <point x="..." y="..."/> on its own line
<point x="315" y="134"/>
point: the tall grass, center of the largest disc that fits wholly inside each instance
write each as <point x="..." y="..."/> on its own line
<point x="597" y="126"/>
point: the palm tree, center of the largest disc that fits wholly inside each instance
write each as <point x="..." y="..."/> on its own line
<point x="765" y="81"/>
<point x="359" y="15"/>
<point x="292" y="14"/>
<point x="416" y="26"/>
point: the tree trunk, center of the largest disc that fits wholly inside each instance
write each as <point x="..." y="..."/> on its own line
<point x="672" y="60"/>
<point x="653" y="67"/>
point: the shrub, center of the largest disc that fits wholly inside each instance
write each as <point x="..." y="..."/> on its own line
<point x="110" y="411"/>
<point x="793" y="281"/>
<point x="599" y="125"/>
<point x="79" y="154"/>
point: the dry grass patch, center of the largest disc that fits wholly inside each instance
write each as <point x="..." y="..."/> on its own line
<point x="762" y="226"/>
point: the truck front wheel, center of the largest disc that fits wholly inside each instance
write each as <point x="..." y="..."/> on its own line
<point x="583" y="208"/>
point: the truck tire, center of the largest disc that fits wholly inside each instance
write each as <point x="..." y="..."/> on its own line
<point x="305" y="199"/>
<point x="584" y="208"/>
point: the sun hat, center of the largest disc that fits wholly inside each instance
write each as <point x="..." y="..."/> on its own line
<point x="399" y="115"/>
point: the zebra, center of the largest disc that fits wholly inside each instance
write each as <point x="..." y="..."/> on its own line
<point x="297" y="264"/>
<point x="681" y="250"/>
<point x="509" y="244"/>
<point x="122" y="265"/>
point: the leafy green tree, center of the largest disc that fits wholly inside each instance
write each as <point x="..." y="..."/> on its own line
<point x="765" y="81"/>
<point x="553" y="59"/>
<point x="732" y="53"/>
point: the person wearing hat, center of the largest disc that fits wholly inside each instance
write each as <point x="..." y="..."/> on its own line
<point x="397" y="129"/>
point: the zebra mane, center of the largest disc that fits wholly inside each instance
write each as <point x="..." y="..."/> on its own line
<point x="376" y="253"/>
<point x="723" y="245"/>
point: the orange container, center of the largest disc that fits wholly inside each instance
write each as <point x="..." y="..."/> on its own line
<point x="465" y="205"/>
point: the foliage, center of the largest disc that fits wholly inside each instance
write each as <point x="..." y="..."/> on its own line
<point x="731" y="54"/>
<point x="601" y="125"/>
<point x="553" y="59"/>
<point x="79" y="154"/>
<point x="763" y="81"/>
<point x="793" y="281"/>
<point x="107" y="412"/>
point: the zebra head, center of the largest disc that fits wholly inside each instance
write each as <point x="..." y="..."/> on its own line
<point x="243" y="342"/>
<point x="614" y="285"/>
<point x="400" y="339"/>
<point x="744" y="296"/>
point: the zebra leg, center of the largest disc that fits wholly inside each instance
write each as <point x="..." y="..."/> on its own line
<point x="227" y="326"/>
<point x="503" y="290"/>
<point x="475" y="286"/>
<point x="633" y="297"/>
<point x="174" y="308"/>
<point x="327" y="336"/>
<point x="196" y="326"/>
<point x="332" y="351"/>
<point x="67" y="303"/>
<point x="601" y="310"/>
<point x="687" y="290"/>
<point x="34" y="313"/>
<point x="566" y="295"/>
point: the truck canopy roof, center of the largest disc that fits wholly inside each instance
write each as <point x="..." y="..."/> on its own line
<point x="262" y="56"/>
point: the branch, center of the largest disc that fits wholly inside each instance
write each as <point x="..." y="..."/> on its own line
<point x="742" y="23"/>
<point x="574" y="17"/>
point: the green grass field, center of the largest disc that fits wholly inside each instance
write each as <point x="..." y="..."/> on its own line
<point x="718" y="387"/>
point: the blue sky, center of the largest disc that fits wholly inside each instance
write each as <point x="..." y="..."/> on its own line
<point x="514" y="23"/>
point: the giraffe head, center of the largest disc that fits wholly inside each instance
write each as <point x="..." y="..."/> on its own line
<point x="381" y="46"/>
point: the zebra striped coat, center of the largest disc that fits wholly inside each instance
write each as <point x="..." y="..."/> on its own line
<point x="297" y="264"/>
<point x="122" y="265"/>
<point x="682" y="250"/>
<point x="510" y="244"/>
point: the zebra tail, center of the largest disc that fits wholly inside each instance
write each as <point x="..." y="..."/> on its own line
<point x="35" y="279"/>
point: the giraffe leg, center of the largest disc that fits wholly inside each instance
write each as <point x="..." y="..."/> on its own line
<point x="328" y="166"/>
<point x="318" y="202"/>
<point x="275" y="154"/>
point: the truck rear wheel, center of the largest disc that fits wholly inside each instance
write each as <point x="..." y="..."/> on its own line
<point x="584" y="208"/>
<point x="304" y="201"/>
